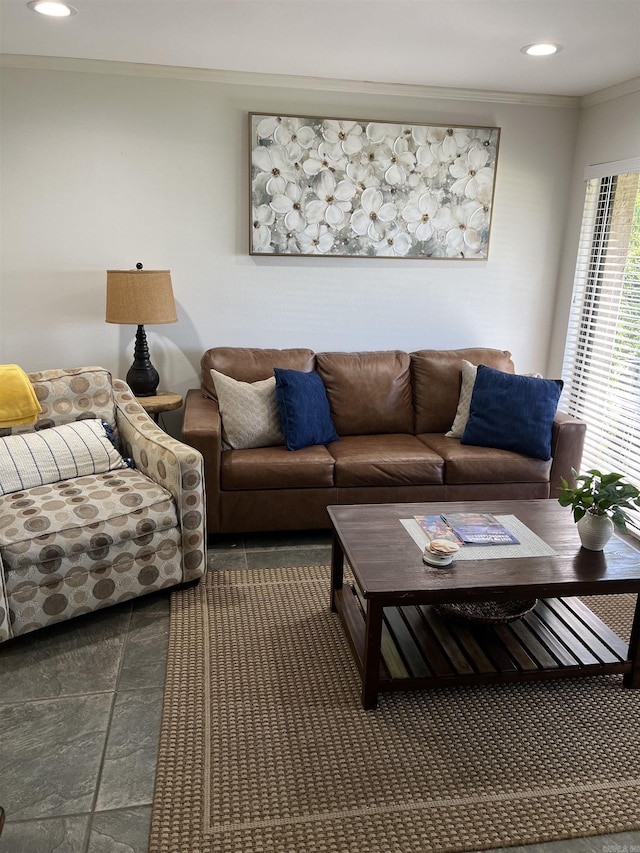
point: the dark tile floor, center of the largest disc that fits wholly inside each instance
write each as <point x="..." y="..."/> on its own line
<point x="80" y="707"/>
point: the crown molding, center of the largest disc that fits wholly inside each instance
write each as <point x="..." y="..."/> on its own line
<point x="283" y="81"/>
<point x="610" y="93"/>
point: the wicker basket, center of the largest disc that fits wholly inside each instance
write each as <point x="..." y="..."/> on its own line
<point x="487" y="612"/>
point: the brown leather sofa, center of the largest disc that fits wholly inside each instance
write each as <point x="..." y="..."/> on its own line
<point x="391" y="410"/>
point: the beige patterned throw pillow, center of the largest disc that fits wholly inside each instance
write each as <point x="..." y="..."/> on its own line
<point x="464" y="401"/>
<point x="249" y="412"/>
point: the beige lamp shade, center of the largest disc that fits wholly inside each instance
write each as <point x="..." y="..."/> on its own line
<point x="140" y="297"/>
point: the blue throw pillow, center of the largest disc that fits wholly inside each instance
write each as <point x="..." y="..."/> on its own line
<point x="512" y="412"/>
<point x="305" y="417"/>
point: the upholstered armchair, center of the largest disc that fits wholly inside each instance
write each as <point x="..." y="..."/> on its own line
<point x="70" y="546"/>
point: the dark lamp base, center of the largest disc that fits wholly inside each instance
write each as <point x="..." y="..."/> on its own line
<point x="142" y="377"/>
<point x="143" y="382"/>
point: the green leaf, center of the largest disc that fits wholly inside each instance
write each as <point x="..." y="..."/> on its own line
<point x="578" y="513"/>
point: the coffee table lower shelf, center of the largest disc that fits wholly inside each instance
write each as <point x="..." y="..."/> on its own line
<point x="560" y="637"/>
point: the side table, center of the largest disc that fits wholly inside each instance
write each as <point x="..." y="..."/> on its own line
<point x="163" y="401"/>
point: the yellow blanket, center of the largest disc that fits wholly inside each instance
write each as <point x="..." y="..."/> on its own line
<point x="18" y="402"/>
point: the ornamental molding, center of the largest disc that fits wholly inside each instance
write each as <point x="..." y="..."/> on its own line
<point x="285" y="81"/>
<point x="629" y="87"/>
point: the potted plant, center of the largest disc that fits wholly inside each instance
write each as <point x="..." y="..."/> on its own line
<point x="599" y="501"/>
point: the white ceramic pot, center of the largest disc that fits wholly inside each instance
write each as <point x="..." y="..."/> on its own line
<point x="595" y="531"/>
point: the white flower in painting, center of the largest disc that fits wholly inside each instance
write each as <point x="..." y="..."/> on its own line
<point x="447" y="142"/>
<point x="480" y="218"/>
<point x="402" y="163"/>
<point x="419" y="186"/>
<point x="378" y="157"/>
<point x="362" y="175"/>
<point x="262" y="218"/>
<point x="315" y="240"/>
<point x="326" y="156"/>
<point x="473" y="179"/>
<point x="333" y="199"/>
<point x="377" y="133"/>
<point x="395" y="242"/>
<point x="290" y="205"/>
<point x="443" y="220"/>
<point x="483" y="186"/>
<point x="462" y="239"/>
<point x="335" y="155"/>
<point x="346" y="134"/>
<point x="276" y="162"/>
<point x="426" y="162"/>
<point x="419" y="217"/>
<point x="372" y="214"/>
<point x="266" y="127"/>
<point x="292" y="131"/>
<point x="419" y="134"/>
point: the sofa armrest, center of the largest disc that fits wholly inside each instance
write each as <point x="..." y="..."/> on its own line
<point x="567" y="443"/>
<point x="202" y="429"/>
<point x="172" y="464"/>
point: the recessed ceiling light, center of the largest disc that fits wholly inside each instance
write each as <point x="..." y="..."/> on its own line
<point x="53" y="8"/>
<point x="541" y="49"/>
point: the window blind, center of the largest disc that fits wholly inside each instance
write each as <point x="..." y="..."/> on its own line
<point x="601" y="367"/>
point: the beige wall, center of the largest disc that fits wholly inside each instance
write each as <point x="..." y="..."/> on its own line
<point x="101" y="170"/>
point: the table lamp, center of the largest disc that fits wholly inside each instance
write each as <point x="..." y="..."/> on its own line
<point x="140" y="297"/>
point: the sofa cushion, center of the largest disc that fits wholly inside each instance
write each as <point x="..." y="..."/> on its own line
<point x="88" y="515"/>
<point x="58" y="453"/>
<point x="468" y="464"/>
<point x="251" y="364"/>
<point x="249" y="412"/>
<point x="369" y="392"/>
<point x="82" y="583"/>
<point x="385" y="460"/>
<point x="512" y="412"/>
<point x="276" y="468"/>
<point x="436" y="378"/>
<point x="305" y="417"/>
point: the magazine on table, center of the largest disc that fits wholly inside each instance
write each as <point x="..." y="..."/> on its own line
<point x="479" y="528"/>
<point x="437" y="528"/>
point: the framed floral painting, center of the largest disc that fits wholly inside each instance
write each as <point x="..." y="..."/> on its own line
<point x="355" y="188"/>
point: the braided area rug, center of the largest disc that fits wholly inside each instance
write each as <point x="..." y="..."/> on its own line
<point x="265" y="747"/>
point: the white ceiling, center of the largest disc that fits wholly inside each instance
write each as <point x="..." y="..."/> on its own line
<point x="469" y="44"/>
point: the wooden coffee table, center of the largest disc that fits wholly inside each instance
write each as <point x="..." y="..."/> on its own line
<point x="400" y="642"/>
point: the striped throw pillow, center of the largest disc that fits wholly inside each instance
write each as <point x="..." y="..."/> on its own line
<point x="57" y="453"/>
